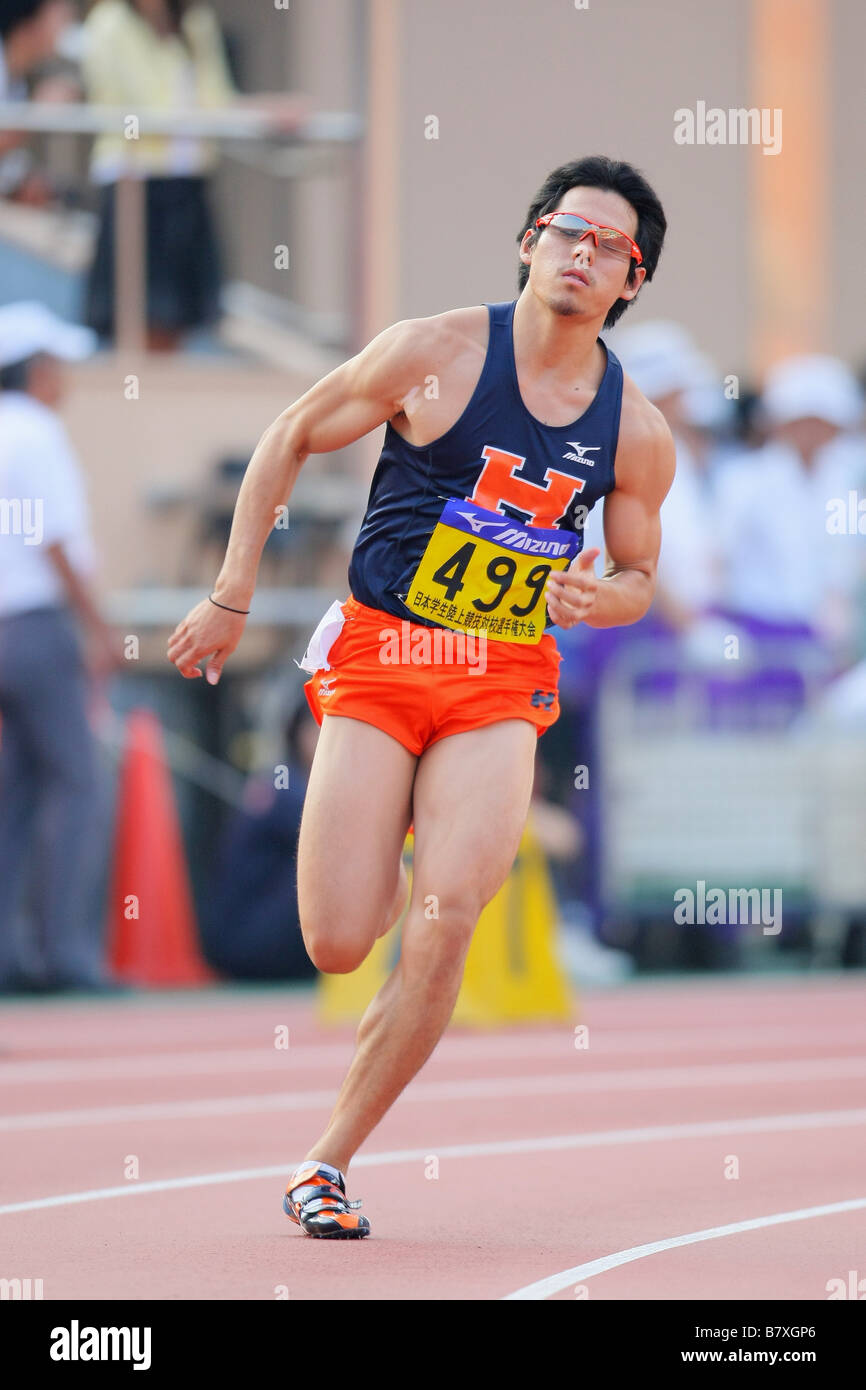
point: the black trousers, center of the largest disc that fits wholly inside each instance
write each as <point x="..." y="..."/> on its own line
<point x="183" y="258"/>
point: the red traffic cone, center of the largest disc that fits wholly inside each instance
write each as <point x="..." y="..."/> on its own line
<point x="152" y="933"/>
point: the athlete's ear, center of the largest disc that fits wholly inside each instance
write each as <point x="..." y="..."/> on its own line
<point x="638" y="278"/>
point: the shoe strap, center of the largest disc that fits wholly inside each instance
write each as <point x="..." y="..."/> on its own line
<point x="308" y="1171"/>
<point x="314" y="1204"/>
<point x="323" y="1194"/>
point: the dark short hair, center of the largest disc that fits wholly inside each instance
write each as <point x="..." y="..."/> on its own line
<point x="13" y="13"/>
<point x="597" y="171"/>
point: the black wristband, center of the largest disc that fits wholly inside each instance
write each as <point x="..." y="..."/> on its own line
<point x="243" y="611"/>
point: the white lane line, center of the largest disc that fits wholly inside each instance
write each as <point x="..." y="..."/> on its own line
<point x="475" y="1088"/>
<point x="557" y="1043"/>
<point x="555" y="1283"/>
<point x="596" y="1139"/>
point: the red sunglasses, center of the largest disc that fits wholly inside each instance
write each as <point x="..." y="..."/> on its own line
<point x="606" y="238"/>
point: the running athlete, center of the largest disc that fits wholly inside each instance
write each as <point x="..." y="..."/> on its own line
<point x="504" y="424"/>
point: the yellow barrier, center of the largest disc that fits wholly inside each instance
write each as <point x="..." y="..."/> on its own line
<point x="512" y="973"/>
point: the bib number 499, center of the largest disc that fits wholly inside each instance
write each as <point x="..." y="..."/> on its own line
<point x="500" y="571"/>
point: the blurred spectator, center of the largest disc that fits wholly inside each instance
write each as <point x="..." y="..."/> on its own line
<point x="749" y="426"/>
<point x="557" y="832"/>
<point x="157" y="53"/>
<point x="666" y="366"/>
<point x="786" y="567"/>
<point x="29" y="34"/>
<point x="843" y="703"/>
<point x="250" y="924"/>
<point x="48" y="762"/>
<point x="166" y="54"/>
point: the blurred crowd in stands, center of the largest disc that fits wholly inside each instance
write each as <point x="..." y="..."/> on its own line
<point x="133" y="55"/>
<point x="757" y="527"/>
<point x="761" y="595"/>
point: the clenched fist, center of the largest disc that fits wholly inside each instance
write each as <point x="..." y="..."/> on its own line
<point x="570" y="593"/>
<point x="206" y="631"/>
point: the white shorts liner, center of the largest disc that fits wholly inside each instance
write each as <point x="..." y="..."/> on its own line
<point x="316" y="656"/>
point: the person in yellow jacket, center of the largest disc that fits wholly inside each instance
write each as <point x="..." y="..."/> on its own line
<point x="165" y="54"/>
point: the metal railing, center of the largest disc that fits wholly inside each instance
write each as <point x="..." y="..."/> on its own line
<point x="310" y="147"/>
<point x="718" y="791"/>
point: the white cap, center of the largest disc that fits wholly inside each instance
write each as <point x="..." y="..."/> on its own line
<point x="706" y="407"/>
<point x="29" y="327"/>
<point x="661" y="358"/>
<point x="806" y="387"/>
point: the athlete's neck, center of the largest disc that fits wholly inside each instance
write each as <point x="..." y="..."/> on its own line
<point x="561" y="346"/>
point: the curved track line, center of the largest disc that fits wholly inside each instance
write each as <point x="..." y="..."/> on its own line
<point x="555" y="1283"/>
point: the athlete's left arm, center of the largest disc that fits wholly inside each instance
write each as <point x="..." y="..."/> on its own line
<point x="645" y="465"/>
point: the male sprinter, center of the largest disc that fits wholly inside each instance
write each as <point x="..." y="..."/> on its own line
<point x="473" y="524"/>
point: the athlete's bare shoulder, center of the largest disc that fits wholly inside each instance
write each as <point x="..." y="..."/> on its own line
<point x="645" y="454"/>
<point x="639" y="419"/>
<point x="446" y="335"/>
<point x="442" y="360"/>
<point x="410" y="349"/>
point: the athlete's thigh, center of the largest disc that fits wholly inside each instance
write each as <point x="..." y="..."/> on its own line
<point x="357" y="810"/>
<point x="471" y="798"/>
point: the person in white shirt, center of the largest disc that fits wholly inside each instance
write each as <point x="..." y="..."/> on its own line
<point x="48" y="763"/>
<point x="667" y="366"/>
<point x="787" y="563"/>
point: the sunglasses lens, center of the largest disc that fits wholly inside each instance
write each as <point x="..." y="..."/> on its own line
<point x="570" y="222"/>
<point x="608" y="237"/>
<point x="615" y="241"/>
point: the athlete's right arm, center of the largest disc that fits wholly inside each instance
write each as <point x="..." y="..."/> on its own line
<point x="345" y="405"/>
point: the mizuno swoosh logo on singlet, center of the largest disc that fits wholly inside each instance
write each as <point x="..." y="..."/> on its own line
<point x="476" y="524"/>
<point x="580" y="452"/>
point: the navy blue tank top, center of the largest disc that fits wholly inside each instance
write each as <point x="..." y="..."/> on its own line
<point x="496" y="455"/>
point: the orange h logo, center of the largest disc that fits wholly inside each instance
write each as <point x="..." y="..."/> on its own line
<point x="543" y="504"/>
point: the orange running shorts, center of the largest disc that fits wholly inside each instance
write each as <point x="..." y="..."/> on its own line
<point x="420" y="683"/>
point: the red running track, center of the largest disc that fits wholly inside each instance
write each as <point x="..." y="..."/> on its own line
<point x="146" y="1143"/>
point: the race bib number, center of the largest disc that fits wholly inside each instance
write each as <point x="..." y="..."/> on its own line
<point x="482" y="572"/>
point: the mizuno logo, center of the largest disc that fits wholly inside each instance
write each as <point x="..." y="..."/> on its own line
<point x="516" y="537"/>
<point x="580" y="452"/>
<point x="475" y="523"/>
<point x="519" y="540"/>
<point x="325" y="686"/>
